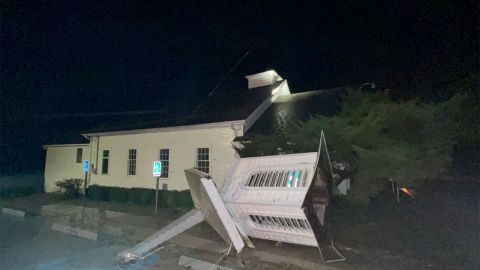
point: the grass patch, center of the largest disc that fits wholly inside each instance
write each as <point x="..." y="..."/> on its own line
<point x="13" y="192"/>
<point x="20" y="185"/>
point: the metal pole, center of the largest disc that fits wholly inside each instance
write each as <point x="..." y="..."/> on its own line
<point x="84" y="196"/>
<point x="85" y="188"/>
<point x="156" y="197"/>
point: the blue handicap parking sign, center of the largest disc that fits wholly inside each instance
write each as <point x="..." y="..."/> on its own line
<point x="85" y="165"/>
<point x="157" y="168"/>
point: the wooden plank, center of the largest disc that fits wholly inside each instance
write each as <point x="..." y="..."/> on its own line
<point x="218" y="216"/>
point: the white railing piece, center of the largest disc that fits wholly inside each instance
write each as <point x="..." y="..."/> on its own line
<point x="185" y="222"/>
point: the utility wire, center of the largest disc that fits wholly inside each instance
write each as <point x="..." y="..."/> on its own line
<point x="228" y="74"/>
<point x="255" y="44"/>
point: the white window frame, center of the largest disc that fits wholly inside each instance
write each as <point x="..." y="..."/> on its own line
<point x="132" y="162"/>
<point x="203" y="165"/>
<point x="165" y="159"/>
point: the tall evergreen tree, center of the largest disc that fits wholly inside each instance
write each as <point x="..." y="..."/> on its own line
<point x="379" y="139"/>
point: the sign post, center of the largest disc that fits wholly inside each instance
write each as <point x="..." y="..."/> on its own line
<point x="157" y="171"/>
<point x="85" y="170"/>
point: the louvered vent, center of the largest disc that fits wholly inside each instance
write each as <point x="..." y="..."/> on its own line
<point x="278" y="178"/>
<point x="281" y="223"/>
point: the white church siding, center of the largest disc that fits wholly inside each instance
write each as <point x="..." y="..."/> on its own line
<point x="182" y="147"/>
<point x="61" y="163"/>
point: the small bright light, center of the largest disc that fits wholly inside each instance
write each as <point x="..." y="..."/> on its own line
<point x="407" y="191"/>
<point x="290" y="179"/>
<point x="297" y="178"/>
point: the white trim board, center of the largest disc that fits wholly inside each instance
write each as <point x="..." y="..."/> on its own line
<point x="45" y="146"/>
<point x="167" y="129"/>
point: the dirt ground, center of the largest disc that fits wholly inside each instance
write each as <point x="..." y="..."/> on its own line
<point x="29" y="243"/>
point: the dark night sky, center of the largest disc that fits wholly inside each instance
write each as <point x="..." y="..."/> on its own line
<point x="66" y="57"/>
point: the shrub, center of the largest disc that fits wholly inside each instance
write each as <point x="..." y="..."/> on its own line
<point x="70" y="188"/>
<point x="162" y="198"/>
<point x="171" y="197"/>
<point x="142" y="196"/>
<point x="98" y="193"/>
<point x="133" y="195"/>
<point x="184" y="199"/>
<point x="119" y="194"/>
<point x="147" y="197"/>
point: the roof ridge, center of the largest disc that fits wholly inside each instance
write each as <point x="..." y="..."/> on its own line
<point x="319" y="90"/>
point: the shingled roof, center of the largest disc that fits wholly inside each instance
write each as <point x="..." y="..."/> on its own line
<point x="231" y="102"/>
<point x="296" y="107"/>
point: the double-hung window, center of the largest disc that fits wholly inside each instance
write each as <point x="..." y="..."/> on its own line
<point x="79" y="155"/>
<point x="132" y="162"/>
<point x="165" y="159"/>
<point x="105" y="157"/>
<point x="203" y="159"/>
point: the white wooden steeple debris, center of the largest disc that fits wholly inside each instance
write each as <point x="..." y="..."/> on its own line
<point x="280" y="198"/>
